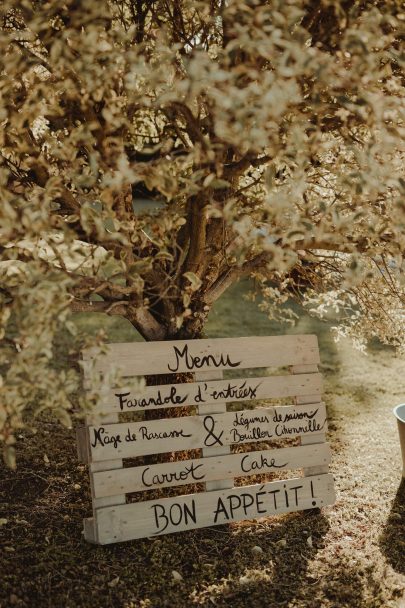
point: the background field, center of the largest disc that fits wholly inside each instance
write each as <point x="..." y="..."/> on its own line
<point x="351" y="554"/>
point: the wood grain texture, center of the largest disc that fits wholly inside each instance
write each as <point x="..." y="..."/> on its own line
<point x="315" y="438"/>
<point x="208" y="391"/>
<point x="89" y="524"/>
<point x="82" y="444"/>
<point x="143" y="358"/>
<point x="212" y="468"/>
<point x="127" y="440"/>
<point x="213" y="407"/>
<point x="115" y="463"/>
<point x="188" y="512"/>
<point x="90" y="530"/>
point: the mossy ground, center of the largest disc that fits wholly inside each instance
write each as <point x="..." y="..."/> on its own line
<point x="349" y="555"/>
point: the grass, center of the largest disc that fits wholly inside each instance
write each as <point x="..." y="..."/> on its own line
<point x="348" y="555"/>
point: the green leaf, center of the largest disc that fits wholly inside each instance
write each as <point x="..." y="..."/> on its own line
<point x="164" y="255"/>
<point x="219" y="184"/>
<point x="194" y="280"/>
<point x="9" y="456"/>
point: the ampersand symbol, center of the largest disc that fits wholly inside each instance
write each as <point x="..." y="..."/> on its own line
<point x="209" y="425"/>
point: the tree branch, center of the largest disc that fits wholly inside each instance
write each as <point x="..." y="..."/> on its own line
<point x="109" y="308"/>
<point x="139" y="316"/>
<point x="197" y="220"/>
<point x="192" y="125"/>
<point x="361" y="245"/>
<point x="87" y="285"/>
<point x="142" y="319"/>
<point x="249" y="160"/>
<point x="233" y="274"/>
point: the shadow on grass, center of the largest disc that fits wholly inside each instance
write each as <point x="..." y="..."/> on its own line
<point x="54" y="567"/>
<point x="46" y="562"/>
<point x="278" y="575"/>
<point x="392" y="540"/>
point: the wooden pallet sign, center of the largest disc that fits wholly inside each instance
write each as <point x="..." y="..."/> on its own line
<point x="232" y="444"/>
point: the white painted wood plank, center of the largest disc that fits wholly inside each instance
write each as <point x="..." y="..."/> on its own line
<point x="82" y="444"/>
<point x="89" y="530"/>
<point x="135" y="358"/>
<point x="315" y="438"/>
<point x="126" y="440"/>
<point x="114" y="463"/>
<point x="208" y="392"/>
<point x="111" y="499"/>
<point x="193" y="511"/>
<point x="89" y="525"/>
<point x="200" y="470"/>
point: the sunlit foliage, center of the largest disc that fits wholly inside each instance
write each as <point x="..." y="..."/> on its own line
<point x="267" y="136"/>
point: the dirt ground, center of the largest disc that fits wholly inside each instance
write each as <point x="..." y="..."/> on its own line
<point x="349" y="555"/>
